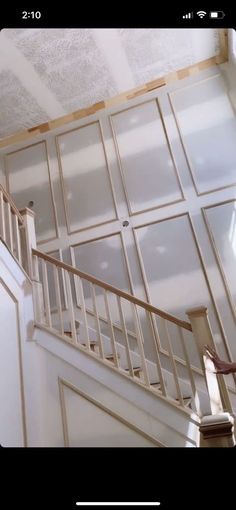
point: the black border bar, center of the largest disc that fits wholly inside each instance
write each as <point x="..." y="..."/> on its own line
<point x="115" y="15"/>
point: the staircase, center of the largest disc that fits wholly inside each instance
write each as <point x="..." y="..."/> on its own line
<point x="120" y="334"/>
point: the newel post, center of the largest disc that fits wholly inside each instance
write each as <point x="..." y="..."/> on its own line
<point x="29" y="241"/>
<point x="217" y="428"/>
<point x="31" y="265"/>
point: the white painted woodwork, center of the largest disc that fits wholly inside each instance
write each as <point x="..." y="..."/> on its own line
<point x="187" y="109"/>
<point x="11" y="397"/>
<point x="29" y="237"/>
<point x="90" y="425"/>
<point x="138" y="418"/>
<point x="2" y="216"/>
<point x="217" y="389"/>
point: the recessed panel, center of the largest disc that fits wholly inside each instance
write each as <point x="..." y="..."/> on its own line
<point x="149" y="172"/>
<point x="208" y="128"/>
<point x="85" y="175"/>
<point x="173" y="271"/>
<point x="29" y="185"/>
<point x="104" y="259"/>
<point x="90" y="425"/>
<point x="11" y="425"/>
<point x="221" y="222"/>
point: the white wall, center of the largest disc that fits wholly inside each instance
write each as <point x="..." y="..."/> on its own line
<point x="179" y="264"/>
<point x="11" y="394"/>
<point x="70" y="398"/>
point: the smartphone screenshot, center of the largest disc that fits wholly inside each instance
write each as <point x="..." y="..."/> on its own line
<point x="117" y="244"/>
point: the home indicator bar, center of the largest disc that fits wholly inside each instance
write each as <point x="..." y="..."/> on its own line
<point x="114" y="503"/>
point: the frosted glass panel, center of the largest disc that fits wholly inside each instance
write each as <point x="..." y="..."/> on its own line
<point x="29" y="181"/>
<point x="222" y="222"/>
<point x="147" y="165"/>
<point x="208" y="127"/>
<point x="88" y="193"/>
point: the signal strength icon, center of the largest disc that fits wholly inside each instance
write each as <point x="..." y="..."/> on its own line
<point x="201" y="14"/>
<point x="189" y="15"/>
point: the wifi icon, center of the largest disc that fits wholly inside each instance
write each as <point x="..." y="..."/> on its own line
<point x="201" y="14"/>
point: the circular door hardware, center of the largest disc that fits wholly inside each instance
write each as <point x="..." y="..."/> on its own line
<point x="125" y="223"/>
<point x="31" y="203"/>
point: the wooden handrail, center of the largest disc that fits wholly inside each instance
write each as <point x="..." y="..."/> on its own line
<point x="114" y="290"/>
<point x="7" y="198"/>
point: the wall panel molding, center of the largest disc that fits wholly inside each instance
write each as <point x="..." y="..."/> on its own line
<point x="186" y="149"/>
<point x="168" y="145"/>
<point x="62" y="383"/>
<point x="204" y="272"/>
<point x="63" y="184"/>
<point x="217" y="253"/>
<point x="20" y="363"/>
<point x="6" y="166"/>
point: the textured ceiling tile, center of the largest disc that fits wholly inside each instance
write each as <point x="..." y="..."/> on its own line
<point x="69" y="63"/>
<point x="153" y="53"/>
<point x="18" y="110"/>
<point x="74" y="69"/>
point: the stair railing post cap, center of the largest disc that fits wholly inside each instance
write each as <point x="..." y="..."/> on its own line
<point x="197" y="311"/>
<point x="27" y="210"/>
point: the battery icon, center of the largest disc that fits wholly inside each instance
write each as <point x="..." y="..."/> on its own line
<point x="217" y="14"/>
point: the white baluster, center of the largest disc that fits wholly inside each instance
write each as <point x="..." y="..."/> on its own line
<point x="155" y="336"/>
<point x="70" y="307"/>
<point x="80" y="289"/>
<point x="9" y="221"/>
<point x="58" y="298"/>
<point x="17" y="239"/>
<point x="95" y="310"/>
<point x="2" y="217"/>
<point x="109" y="319"/>
<point x="46" y="294"/>
<point x="140" y="342"/>
<point x="124" y="330"/>
<point x="175" y="373"/>
<point x="190" y="371"/>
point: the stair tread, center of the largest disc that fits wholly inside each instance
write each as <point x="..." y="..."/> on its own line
<point x="134" y="368"/>
<point x="92" y="342"/>
<point x="187" y="400"/>
<point x="108" y="356"/>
